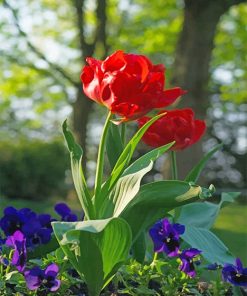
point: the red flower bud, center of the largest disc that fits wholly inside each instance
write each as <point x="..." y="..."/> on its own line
<point x="176" y="125"/>
<point x="129" y="85"/>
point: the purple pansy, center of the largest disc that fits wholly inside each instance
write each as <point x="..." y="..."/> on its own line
<point x="36" y="278"/>
<point x="166" y="236"/>
<point x="4" y="261"/>
<point x="36" y="234"/>
<point x="14" y="219"/>
<point x="187" y="261"/>
<point x="65" y="212"/>
<point x="235" y="274"/>
<point x="18" y="242"/>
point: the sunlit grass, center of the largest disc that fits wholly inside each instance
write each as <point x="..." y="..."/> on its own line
<point x="231" y="227"/>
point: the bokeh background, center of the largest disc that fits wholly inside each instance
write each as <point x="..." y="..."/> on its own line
<point x="43" y="46"/>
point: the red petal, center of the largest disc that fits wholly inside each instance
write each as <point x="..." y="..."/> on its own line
<point x="169" y="96"/>
<point x="200" y="128"/>
<point x="114" y="62"/>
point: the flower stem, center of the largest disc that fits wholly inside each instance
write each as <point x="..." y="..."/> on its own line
<point x="123" y="133"/>
<point x="154" y="259"/>
<point x="101" y="154"/>
<point x="174" y="166"/>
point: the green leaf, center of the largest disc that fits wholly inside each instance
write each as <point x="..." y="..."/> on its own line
<point x="228" y="197"/>
<point x="124" y="191"/>
<point x="144" y="160"/>
<point x="77" y="173"/>
<point x="154" y="200"/>
<point x="212" y="248"/>
<point x="139" y="248"/>
<point x="96" y="248"/>
<point x="123" y="162"/>
<point x="237" y="291"/>
<point x="127" y="153"/>
<point x="114" y="145"/>
<point x="203" y="214"/>
<point x="196" y="171"/>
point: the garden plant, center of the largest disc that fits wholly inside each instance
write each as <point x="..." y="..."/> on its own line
<point x="130" y="238"/>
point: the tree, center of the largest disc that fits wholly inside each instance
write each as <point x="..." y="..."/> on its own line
<point x="87" y="46"/>
<point x="192" y="61"/>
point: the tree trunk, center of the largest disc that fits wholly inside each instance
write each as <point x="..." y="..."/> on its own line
<point x="191" y="66"/>
<point x="83" y="105"/>
<point x="82" y="108"/>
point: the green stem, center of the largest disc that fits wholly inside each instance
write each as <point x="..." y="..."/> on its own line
<point x="174" y="166"/>
<point x="123" y="133"/>
<point x="101" y="154"/>
<point x="154" y="259"/>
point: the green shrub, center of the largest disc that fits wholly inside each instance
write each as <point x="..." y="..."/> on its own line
<point x="32" y="169"/>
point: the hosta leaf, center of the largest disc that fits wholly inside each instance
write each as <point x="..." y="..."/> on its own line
<point x="139" y="248"/>
<point x="96" y="248"/>
<point x="212" y="248"/>
<point x="128" y="185"/>
<point x="124" y="191"/>
<point x="154" y="200"/>
<point x="77" y="173"/>
<point x="196" y="171"/>
<point x="204" y="214"/>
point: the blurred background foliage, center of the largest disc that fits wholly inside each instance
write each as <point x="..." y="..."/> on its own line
<point x="43" y="45"/>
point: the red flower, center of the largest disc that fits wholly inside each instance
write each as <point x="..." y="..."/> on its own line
<point x="129" y="85"/>
<point x="176" y="125"/>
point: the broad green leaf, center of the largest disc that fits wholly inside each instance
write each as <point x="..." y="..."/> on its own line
<point x="237" y="291"/>
<point x="124" y="191"/>
<point x="77" y="173"/>
<point x="114" y="145"/>
<point x="155" y="200"/>
<point x="204" y="214"/>
<point x="228" y="197"/>
<point x="96" y="248"/>
<point x="139" y="248"/>
<point x="123" y="162"/>
<point x="213" y="249"/>
<point x="144" y="160"/>
<point x="196" y="171"/>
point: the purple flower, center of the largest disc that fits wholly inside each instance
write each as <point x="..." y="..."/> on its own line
<point x="36" y="234"/>
<point x="235" y="274"/>
<point x="45" y="220"/>
<point x="187" y="261"/>
<point x="36" y="278"/>
<point x="14" y="219"/>
<point x="166" y="236"/>
<point x="65" y="212"/>
<point x="4" y="261"/>
<point x="18" y="242"/>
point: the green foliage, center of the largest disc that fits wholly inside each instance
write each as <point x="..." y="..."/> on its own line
<point x="198" y="219"/>
<point x="230" y="54"/>
<point x="114" y="146"/>
<point x="76" y="154"/>
<point x="194" y="174"/>
<point x="96" y="248"/>
<point x="32" y="169"/>
<point x="155" y="200"/>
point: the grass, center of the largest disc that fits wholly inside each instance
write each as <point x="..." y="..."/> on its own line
<point x="230" y="227"/>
